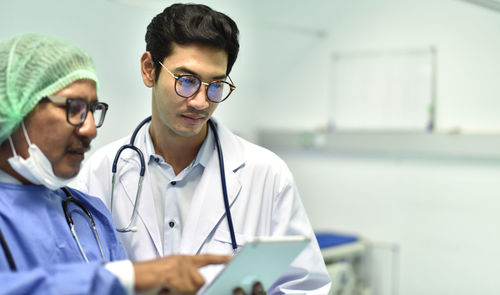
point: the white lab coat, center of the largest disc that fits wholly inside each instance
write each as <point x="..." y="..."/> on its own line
<point x="262" y="194"/>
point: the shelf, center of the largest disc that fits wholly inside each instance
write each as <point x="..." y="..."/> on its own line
<point x="342" y="252"/>
<point x="386" y="143"/>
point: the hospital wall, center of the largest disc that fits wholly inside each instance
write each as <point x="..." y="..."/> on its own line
<point x="441" y="212"/>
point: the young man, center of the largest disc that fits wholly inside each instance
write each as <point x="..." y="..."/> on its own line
<point x="181" y="205"/>
<point x="56" y="240"/>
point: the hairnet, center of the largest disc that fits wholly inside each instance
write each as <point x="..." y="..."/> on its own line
<point x="33" y="66"/>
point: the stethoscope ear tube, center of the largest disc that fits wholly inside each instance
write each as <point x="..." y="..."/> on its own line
<point x="71" y="224"/>
<point x="134" y="134"/>
<point x="224" y="188"/>
<point x="7" y="253"/>
<point x="129" y="227"/>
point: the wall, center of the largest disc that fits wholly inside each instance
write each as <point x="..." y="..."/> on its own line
<point x="113" y="33"/>
<point x="441" y="213"/>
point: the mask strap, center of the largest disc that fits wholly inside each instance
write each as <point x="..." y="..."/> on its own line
<point x="25" y="136"/>
<point x="26" y="133"/>
<point x="12" y="147"/>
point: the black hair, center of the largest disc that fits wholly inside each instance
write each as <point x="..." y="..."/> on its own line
<point x="187" y="24"/>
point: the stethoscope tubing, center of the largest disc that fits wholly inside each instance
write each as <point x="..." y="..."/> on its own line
<point x="69" y="220"/>
<point x="129" y="227"/>
<point x="224" y="188"/>
<point x="71" y="224"/>
<point x="8" y="254"/>
<point x="132" y="146"/>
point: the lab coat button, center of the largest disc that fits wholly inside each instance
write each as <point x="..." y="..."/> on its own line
<point x="171" y="224"/>
<point x="173" y="182"/>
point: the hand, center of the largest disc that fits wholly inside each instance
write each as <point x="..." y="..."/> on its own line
<point x="175" y="274"/>
<point x="257" y="289"/>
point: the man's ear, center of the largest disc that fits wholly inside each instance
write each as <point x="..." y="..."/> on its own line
<point x="147" y="69"/>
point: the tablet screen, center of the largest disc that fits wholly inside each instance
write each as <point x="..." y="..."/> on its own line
<point x="262" y="260"/>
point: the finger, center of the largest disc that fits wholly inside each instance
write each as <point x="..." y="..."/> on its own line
<point x="196" y="278"/>
<point x="205" y="259"/>
<point x="258" y="289"/>
<point x="238" y="291"/>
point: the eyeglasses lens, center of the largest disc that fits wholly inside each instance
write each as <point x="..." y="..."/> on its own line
<point x="99" y="114"/>
<point x="186" y="86"/>
<point x="218" y="91"/>
<point x="77" y="111"/>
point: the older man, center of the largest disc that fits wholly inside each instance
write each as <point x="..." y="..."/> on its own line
<point x="57" y="240"/>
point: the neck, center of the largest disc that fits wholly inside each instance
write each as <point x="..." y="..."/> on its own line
<point x="5" y="154"/>
<point x="178" y="151"/>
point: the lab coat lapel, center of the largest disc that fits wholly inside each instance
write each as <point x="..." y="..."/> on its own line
<point x="207" y="206"/>
<point x="146" y="208"/>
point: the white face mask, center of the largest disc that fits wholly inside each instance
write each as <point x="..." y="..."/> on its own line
<point x="37" y="169"/>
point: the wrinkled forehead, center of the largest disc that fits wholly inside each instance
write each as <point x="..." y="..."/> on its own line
<point x="82" y="88"/>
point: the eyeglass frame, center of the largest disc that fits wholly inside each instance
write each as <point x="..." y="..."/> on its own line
<point x="89" y="107"/>
<point x="232" y="87"/>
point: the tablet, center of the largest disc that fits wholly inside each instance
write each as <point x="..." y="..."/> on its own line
<point x="262" y="259"/>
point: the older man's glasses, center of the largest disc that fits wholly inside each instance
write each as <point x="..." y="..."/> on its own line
<point x="78" y="108"/>
<point x="188" y="85"/>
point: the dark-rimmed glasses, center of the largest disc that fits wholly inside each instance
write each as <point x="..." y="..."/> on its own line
<point x="188" y="85"/>
<point x="78" y="108"/>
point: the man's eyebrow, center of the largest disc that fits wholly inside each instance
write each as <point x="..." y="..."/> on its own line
<point x="190" y="72"/>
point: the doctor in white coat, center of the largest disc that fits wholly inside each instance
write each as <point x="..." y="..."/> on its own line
<point x="180" y="207"/>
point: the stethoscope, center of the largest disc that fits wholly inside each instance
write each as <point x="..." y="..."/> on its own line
<point x="129" y="227"/>
<point x="69" y="199"/>
<point x="71" y="224"/>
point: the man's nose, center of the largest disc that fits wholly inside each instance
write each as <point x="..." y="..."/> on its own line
<point x="200" y="101"/>
<point x="88" y="127"/>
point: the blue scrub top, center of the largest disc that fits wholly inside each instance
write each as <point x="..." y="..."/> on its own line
<point x="47" y="257"/>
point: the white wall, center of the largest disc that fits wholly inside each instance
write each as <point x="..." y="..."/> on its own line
<point x="113" y="33"/>
<point x="442" y="214"/>
<point x="466" y="38"/>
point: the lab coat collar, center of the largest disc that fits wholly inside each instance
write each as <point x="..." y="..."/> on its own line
<point x="232" y="149"/>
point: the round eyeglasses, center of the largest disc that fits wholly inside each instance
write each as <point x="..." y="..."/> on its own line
<point x="78" y="108"/>
<point x="188" y="85"/>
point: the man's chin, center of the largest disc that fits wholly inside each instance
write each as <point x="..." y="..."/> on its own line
<point x="68" y="172"/>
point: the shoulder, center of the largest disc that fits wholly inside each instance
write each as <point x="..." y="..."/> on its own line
<point x="258" y="154"/>
<point x="103" y="157"/>
<point x="109" y="150"/>
<point x="97" y="169"/>
<point x="104" y="224"/>
<point x="93" y="204"/>
<point x="252" y="155"/>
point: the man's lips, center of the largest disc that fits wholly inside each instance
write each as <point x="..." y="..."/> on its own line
<point x="193" y="116"/>
<point x="81" y="150"/>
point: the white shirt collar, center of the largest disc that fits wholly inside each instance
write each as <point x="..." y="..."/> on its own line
<point x="7" y="178"/>
<point x="202" y="157"/>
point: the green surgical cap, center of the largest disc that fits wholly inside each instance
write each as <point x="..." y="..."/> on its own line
<point x="33" y="66"/>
